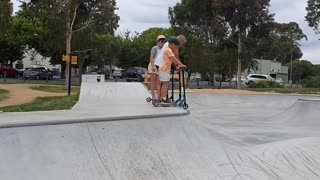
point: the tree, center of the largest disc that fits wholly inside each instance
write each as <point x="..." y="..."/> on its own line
<point x="243" y="16"/>
<point x="10" y="50"/>
<point x="9" y="53"/>
<point x="302" y="70"/>
<point x="313" y="14"/>
<point x="282" y="39"/>
<point x="5" y="17"/>
<point x="66" y="18"/>
<point x="198" y="19"/>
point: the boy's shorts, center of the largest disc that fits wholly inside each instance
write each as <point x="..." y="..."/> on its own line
<point x="164" y="76"/>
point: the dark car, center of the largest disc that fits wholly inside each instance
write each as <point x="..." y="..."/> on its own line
<point x="38" y="73"/>
<point x="10" y="72"/>
<point x="135" y="74"/>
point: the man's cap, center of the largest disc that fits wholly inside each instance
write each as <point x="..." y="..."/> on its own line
<point x="182" y="37"/>
<point x="174" y="40"/>
<point x="161" y="37"/>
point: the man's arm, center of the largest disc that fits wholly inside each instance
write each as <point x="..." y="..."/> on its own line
<point x="176" y="61"/>
<point x="176" y="54"/>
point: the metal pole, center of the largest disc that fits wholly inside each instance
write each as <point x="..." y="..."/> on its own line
<point x="291" y="70"/>
<point x="5" y="76"/>
<point x="69" y="83"/>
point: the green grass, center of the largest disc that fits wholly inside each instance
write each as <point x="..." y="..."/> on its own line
<point x="55" y="89"/>
<point x="3" y="94"/>
<point x="44" y="104"/>
<point x="288" y="90"/>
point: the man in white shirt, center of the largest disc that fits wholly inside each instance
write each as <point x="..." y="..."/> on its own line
<point x="182" y="40"/>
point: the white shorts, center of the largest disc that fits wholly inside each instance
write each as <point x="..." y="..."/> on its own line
<point x="164" y="76"/>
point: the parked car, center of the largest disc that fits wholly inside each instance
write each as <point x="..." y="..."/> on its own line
<point x="135" y="74"/>
<point x="279" y="81"/>
<point x="254" y="78"/>
<point x="119" y="73"/>
<point x="37" y="73"/>
<point x="10" y="72"/>
<point x="234" y="79"/>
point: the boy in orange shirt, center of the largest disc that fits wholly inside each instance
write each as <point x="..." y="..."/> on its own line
<point x="165" y="67"/>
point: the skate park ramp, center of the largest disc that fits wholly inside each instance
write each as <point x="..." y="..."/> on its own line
<point x="227" y="137"/>
<point x="97" y="102"/>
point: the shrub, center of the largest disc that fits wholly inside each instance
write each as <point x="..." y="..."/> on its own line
<point x="313" y="82"/>
<point x="265" y="84"/>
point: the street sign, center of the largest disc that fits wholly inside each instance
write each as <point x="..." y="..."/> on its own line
<point x="65" y="58"/>
<point x="74" y="60"/>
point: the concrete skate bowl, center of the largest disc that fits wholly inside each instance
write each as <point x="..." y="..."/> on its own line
<point x="218" y="140"/>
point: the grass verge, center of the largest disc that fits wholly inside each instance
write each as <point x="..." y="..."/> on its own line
<point x="44" y="104"/>
<point x="288" y="90"/>
<point x="3" y="94"/>
<point x="55" y="89"/>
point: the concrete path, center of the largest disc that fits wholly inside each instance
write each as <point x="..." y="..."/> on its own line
<point x="22" y="94"/>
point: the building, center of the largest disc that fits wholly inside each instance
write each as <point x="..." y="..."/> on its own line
<point x="270" y="67"/>
<point x="32" y="58"/>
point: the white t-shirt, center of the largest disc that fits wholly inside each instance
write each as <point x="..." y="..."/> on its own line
<point x="159" y="57"/>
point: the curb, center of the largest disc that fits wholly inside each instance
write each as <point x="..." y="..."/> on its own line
<point x="88" y="120"/>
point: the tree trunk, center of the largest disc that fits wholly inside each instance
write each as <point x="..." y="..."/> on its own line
<point x="68" y="52"/>
<point x="239" y="71"/>
<point x="70" y="18"/>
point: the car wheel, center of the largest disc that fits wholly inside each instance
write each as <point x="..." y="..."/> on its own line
<point x="1" y="75"/>
<point x="50" y="77"/>
<point x="37" y="77"/>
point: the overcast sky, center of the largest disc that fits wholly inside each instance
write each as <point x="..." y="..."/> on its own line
<point x="139" y="15"/>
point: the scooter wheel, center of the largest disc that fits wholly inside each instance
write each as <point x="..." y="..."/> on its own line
<point x="155" y="103"/>
<point x="148" y="99"/>
<point x="185" y="106"/>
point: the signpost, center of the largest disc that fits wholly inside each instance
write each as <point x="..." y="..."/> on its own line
<point x="72" y="61"/>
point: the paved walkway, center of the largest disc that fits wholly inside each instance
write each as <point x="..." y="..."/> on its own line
<point x="22" y="94"/>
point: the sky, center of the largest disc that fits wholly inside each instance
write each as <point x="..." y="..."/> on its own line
<point x="140" y="15"/>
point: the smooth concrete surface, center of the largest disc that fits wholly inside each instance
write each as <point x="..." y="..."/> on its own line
<point x="226" y="137"/>
<point x="97" y="102"/>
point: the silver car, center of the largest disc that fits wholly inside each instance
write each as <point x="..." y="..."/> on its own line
<point x="254" y="78"/>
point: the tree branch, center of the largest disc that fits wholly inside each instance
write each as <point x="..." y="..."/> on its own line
<point x="85" y="26"/>
<point x="87" y="50"/>
<point x="234" y="42"/>
<point x="74" y="16"/>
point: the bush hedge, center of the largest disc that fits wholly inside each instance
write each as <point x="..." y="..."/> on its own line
<point x="265" y="84"/>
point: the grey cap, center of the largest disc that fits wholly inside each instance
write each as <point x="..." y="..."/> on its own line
<point x="182" y="37"/>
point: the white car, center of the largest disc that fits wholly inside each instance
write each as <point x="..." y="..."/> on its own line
<point x="234" y="79"/>
<point x="279" y="81"/>
<point x="254" y="78"/>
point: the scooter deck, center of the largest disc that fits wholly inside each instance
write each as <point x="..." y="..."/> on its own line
<point x="163" y="104"/>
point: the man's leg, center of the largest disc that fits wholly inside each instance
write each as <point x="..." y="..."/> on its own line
<point x="164" y="89"/>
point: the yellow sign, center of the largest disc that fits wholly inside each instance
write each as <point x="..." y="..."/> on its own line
<point x="65" y="58"/>
<point x="74" y="60"/>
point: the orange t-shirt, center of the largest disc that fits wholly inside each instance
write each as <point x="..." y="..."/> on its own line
<point x="166" y="62"/>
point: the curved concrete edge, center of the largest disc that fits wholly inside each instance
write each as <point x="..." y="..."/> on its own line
<point x="89" y="120"/>
<point x="310" y="100"/>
